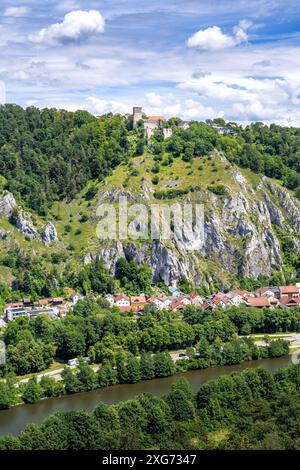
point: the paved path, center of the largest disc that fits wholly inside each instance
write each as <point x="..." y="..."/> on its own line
<point x="176" y="356"/>
<point x="56" y="374"/>
<point x="293" y="338"/>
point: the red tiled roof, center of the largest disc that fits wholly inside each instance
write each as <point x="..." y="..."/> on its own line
<point x="120" y="297"/>
<point x="206" y="306"/>
<point x="288" y="290"/>
<point x="259" y="302"/>
<point x="286" y="300"/>
<point x="194" y="294"/>
<point x="156" y="118"/>
<point x="13" y="305"/>
<point x="137" y="299"/>
<point x="177" y="302"/>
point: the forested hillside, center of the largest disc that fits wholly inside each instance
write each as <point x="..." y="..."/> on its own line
<point x="57" y="166"/>
<point x="48" y="155"/>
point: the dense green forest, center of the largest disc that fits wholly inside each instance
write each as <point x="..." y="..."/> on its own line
<point x="47" y="155"/>
<point x="255" y="409"/>
<point x="32" y="279"/>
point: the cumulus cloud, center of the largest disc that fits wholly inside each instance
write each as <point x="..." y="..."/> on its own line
<point x="246" y="99"/>
<point x="154" y="99"/>
<point x="76" y="25"/>
<point x="16" y="11"/>
<point x="101" y="106"/>
<point x="215" y="39"/>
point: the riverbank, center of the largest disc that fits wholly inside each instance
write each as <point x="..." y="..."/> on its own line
<point x="14" y="420"/>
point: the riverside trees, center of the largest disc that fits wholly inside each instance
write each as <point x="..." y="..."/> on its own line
<point x="248" y="410"/>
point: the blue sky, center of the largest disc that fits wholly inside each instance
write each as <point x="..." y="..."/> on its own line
<point x="197" y="59"/>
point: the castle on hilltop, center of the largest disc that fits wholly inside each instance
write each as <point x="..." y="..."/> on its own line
<point x="150" y="123"/>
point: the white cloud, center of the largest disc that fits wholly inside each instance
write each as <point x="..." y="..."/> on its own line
<point x="101" y="106"/>
<point x="16" y="11"/>
<point x="246" y="99"/>
<point x="214" y="39"/>
<point x="67" y="5"/>
<point x="75" y="26"/>
<point x="173" y="110"/>
<point x="154" y="99"/>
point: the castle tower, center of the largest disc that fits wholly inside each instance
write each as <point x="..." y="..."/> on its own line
<point x="137" y="115"/>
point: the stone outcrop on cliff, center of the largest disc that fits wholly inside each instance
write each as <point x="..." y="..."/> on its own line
<point x="240" y="237"/>
<point x="7" y="205"/>
<point x="49" y="234"/>
<point x="25" y="225"/>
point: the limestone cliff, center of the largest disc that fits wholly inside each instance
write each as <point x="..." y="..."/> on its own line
<point x="240" y="235"/>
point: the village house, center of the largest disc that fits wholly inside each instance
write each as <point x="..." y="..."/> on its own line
<point x="74" y="298"/>
<point x="15" y="312"/>
<point x="196" y="298"/>
<point x="110" y="299"/>
<point x="220" y="300"/>
<point x="176" y="305"/>
<point x="184" y="125"/>
<point x="258" y="302"/>
<point x="236" y="298"/>
<point x="208" y="306"/>
<point x="51" y="312"/>
<point x="286" y="302"/>
<point x="161" y="302"/>
<point x="41" y="303"/>
<point x="265" y="292"/>
<point x="290" y="292"/>
<point x="174" y="291"/>
<point x="56" y="301"/>
<point x="138" y="302"/>
<point x="140" y="299"/>
<point x="185" y="300"/>
<point x="12" y="305"/>
<point x="121" y="300"/>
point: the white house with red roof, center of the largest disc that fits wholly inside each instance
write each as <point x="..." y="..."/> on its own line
<point x="121" y="300"/>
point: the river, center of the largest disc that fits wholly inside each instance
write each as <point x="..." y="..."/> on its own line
<point x="14" y="420"/>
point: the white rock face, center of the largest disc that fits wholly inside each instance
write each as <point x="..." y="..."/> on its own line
<point x="239" y="238"/>
<point x="49" y="234"/>
<point x="25" y="226"/>
<point x="7" y="205"/>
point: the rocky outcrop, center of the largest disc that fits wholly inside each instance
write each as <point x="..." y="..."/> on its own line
<point x="49" y="234"/>
<point x="116" y="194"/>
<point x="284" y="201"/>
<point x="25" y="226"/>
<point x="239" y="237"/>
<point x="7" y="205"/>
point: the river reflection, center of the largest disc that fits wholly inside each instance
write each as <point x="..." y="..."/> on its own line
<point x="14" y="420"/>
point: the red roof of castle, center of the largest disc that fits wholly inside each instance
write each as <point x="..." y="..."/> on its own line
<point x="156" y="118"/>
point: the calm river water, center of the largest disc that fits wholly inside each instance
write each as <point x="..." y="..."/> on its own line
<point x="15" y="419"/>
